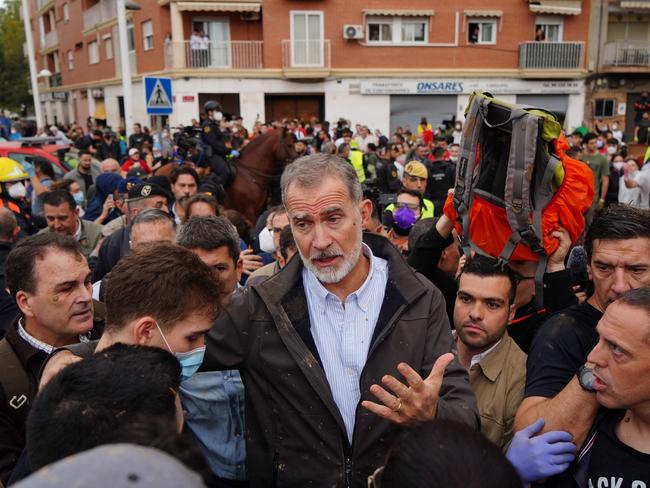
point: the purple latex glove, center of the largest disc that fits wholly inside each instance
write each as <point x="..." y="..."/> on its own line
<point x="538" y="457"/>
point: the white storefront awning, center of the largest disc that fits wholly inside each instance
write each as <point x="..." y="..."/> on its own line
<point x="398" y="12"/>
<point x="483" y="13"/>
<point x="218" y="7"/>
<point x="557" y="7"/>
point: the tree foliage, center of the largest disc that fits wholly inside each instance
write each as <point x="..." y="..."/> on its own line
<point x="14" y="69"/>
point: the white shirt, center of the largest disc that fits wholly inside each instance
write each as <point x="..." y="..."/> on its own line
<point x="364" y="141"/>
<point x="477" y="358"/>
<point x="638" y="196"/>
<point x="77" y="234"/>
<point x="195" y="41"/>
<point x="343" y="331"/>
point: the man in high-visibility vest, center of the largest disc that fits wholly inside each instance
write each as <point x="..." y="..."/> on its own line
<point x="415" y="178"/>
<point x="356" y="159"/>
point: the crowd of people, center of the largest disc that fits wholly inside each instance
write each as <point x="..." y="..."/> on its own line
<point x="341" y="340"/>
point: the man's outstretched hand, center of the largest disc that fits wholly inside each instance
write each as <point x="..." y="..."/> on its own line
<point x="417" y="402"/>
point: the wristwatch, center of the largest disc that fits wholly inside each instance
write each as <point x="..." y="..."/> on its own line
<point x="586" y="378"/>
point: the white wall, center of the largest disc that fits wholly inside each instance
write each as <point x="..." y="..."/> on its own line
<point x="575" y="112"/>
<point x="370" y="110"/>
<point x="111" y="94"/>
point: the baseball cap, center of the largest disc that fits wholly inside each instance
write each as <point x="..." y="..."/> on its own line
<point x="133" y="151"/>
<point x="416" y="168"/>
<point x="162" y="181"/>
<point x="115" y="466"/>
<point x="147" y="190"/>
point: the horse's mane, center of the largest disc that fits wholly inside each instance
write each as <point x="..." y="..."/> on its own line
<point x="261" y="139"/>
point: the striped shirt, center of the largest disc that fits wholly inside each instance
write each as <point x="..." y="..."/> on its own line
<point x="342" y="332"/>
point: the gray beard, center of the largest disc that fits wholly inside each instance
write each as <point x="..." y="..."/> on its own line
<point x="335" y="274"/>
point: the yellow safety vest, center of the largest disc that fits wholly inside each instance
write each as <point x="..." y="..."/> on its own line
<point x="356" y="158"/>
<point x="425" y="213"/>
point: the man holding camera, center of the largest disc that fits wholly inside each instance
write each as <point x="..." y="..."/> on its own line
<point x="214" y="141"/>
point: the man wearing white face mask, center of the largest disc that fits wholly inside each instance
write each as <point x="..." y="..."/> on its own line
<point x="13" y="193"/>
<point x="270" y="242"/>
<point x="214" y="142"/>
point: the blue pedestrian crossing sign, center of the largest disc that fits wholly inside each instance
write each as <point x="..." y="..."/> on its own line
<point x="158" y="96"/>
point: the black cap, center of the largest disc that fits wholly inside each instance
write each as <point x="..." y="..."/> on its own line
<point x="162" y="181"/>
<point x="146" y="190"/>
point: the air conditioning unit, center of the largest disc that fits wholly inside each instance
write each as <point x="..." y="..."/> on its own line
<point x="249" y="16"/>
<point x="351" y="31"/>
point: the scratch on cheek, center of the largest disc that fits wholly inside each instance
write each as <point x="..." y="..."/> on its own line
<point x="55" y="298"/>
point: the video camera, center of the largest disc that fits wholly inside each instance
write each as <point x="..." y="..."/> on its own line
<point x="186" y="139"/>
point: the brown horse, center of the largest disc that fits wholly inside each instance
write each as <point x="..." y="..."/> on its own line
<point x="260" y="165"/>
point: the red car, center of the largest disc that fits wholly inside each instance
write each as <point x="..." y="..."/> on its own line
<point x="31" y="149"/>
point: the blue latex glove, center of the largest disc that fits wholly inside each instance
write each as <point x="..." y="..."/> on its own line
<point x="234" y="153"/>
<point x="538" y="457"/>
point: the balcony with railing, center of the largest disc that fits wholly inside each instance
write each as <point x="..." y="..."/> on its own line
<point x="214" y="55"/>
<point x="306" y="58"/>
<point x="551" y="55"/>
<point x="101" y="12"/>
<point x="50" y="40"/>
<point x="56" y="80"/>
<point x="627" y="55"/>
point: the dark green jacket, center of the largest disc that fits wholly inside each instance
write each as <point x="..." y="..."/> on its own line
<point x="295" y="433"/>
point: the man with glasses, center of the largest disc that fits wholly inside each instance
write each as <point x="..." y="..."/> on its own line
<point x="401" y="216"/>
<point x="415" y="179"/>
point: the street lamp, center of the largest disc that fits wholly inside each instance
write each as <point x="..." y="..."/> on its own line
<point x="29" y="40"/>
<point x="125" y="61"/>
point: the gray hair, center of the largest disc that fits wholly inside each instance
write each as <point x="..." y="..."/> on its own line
<point x="152" y="216"/>
<point x="309" y="172"/>
<point x="209" y="233"/>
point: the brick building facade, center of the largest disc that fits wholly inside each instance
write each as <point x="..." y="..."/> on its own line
<point x="380" y="62"/>
<point x="619" y="62"/>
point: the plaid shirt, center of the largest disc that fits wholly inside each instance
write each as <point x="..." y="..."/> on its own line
<point x="40" y="345"/>
<point x="33" y="341"/>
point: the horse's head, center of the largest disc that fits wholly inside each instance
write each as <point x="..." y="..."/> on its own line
<point x="284" y="151"/>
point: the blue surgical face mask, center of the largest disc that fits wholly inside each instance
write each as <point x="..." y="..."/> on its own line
<point x="79" y="198"/>
<point x="190" y="361"/>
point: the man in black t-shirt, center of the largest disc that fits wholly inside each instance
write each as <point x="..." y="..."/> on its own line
<point x="617" y="452"/>
<point x="618" y="251"/>
<point x="642" y="129"/>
